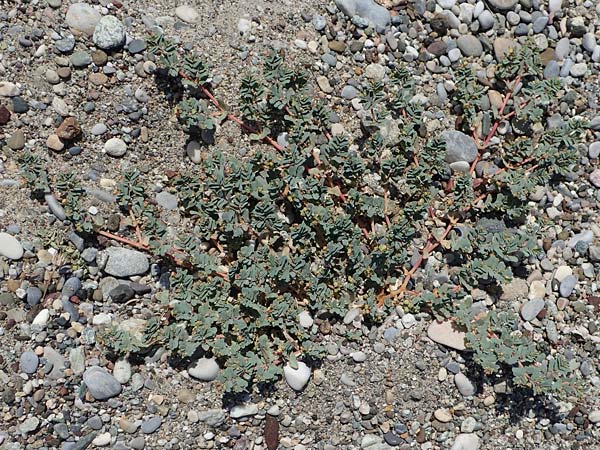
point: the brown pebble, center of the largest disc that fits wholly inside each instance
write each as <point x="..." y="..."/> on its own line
<point x="4" y="115"/>
<point x="99" y="58"/>
<point x="98" y="79"/>
<point x="69" y="129"/>
<point x="64" y="72"/>
<point x="54" y="143"/>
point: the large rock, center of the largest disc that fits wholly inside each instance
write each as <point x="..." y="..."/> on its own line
<point x="123" y="262"/>
<point x="109" y="34"/>
<point x="10" y="247"/>
<point x="101" y="384"/>
<point x="446" y="333"/>
<point x="83" y="18"/>
<point x="459" y="147"/>
<point x="367" y="9"/>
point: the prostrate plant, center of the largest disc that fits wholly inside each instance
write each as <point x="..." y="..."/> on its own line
<point x="316" y="224"/>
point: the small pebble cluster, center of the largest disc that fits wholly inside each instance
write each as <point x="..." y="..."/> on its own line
<point x="76" y="84"/>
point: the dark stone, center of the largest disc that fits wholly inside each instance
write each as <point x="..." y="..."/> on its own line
<point x="4" y="115"/>
<point x="20" y="106"/>
<point x="121" y="293"/>
<point x="392" y="439"/>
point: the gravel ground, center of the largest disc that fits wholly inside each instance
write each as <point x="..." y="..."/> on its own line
<point x="398" y="386"/>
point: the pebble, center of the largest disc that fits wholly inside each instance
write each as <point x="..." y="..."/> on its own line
<point x="101" y="384"/>
<point x="464" y="385"/>
<point x="204" y="369"/>
<point x="469" y="45"/>
<point x="297" y="378"/>
<point x="594" y="150"/>
<point x="83" y="18"/>
<point x="29" y="362"/>
<point x="459" y="146"/>
<point x="567" y="285"/>
<point x="239" y="411"/>
<point x="29" y="425"/>
<point x="305" y="319"/>
<point x="80" y="59"/>
<point x="10" y="247"/>
<point x="466" y="441"/>
<point x="109" y="33"/>
<point x="115" y="147"/>
<point x="121" y="293"/>
<point x="187" y="13"/>
<point x="122" y="371"/>
<point x="151" y="425"/>
<point x="594" y="416"/>
<point x="102" y="440"/>
<point x="55" y="207"/>
<point x="324" y="85"/>
<point x="124" y="262"/>
<point x="8" y="89"/>
<point x="595" y="178"/>
<point x="375" y="71"/>
<point x="532" y="308"/>
<point x="579" y="69"/>
<point x="166" y="200"/>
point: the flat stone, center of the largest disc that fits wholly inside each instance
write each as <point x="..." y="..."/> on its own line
<point x="532" y="308"/>
<point x="466" y="441"/>
<point x="123" y="262"/>
<point x="204" y="369"/>
<point x="101" y="384"/>
<point x="54" y="143"/>
<point x="595" y="178"/>
<point x="567" y="285"/>
<point x="166" y="200"/>
<point x="459" y="146"/>
<point x="447" y="334"/>
<point x="297" y="378"/>
<point x="239" y="411"/>
<point x="212" y="417"/>
<point x="151" y="425"/>
<point x="187" y="14"/>
<point x="80" y="59"/>
<point x="29" y="425"/>
<point x="324" y="85"/>
<point x="102" y="440"/>
<point x="55" y="207"/>
<point x="83" y="18"/>
<point x="109" y="33"/>
<point x="10" y="247"/>
<point x="442" y="415"/>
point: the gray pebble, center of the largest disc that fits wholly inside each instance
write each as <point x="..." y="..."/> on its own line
<point x="29" y="362"/>
<point x="151" y="425"/>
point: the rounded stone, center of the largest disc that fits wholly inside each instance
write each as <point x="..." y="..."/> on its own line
<point x="10" y="247"/>
<point x="297" y="378"/>
<point x="83" y="18"/>
<point x="115" y="147"/>
<point x="464" y="385"/>
<point x="503" y="4"/>
<point x="469" y="45"/>
<point x="459" y="147"/>
<point x="187" y="13"/>
<point x="204" y="369"/>
<point x="101" y="384"/>
<point x="109" y="33"/>
<point x="29" y="362"/>
<point x="466" y="441"/>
